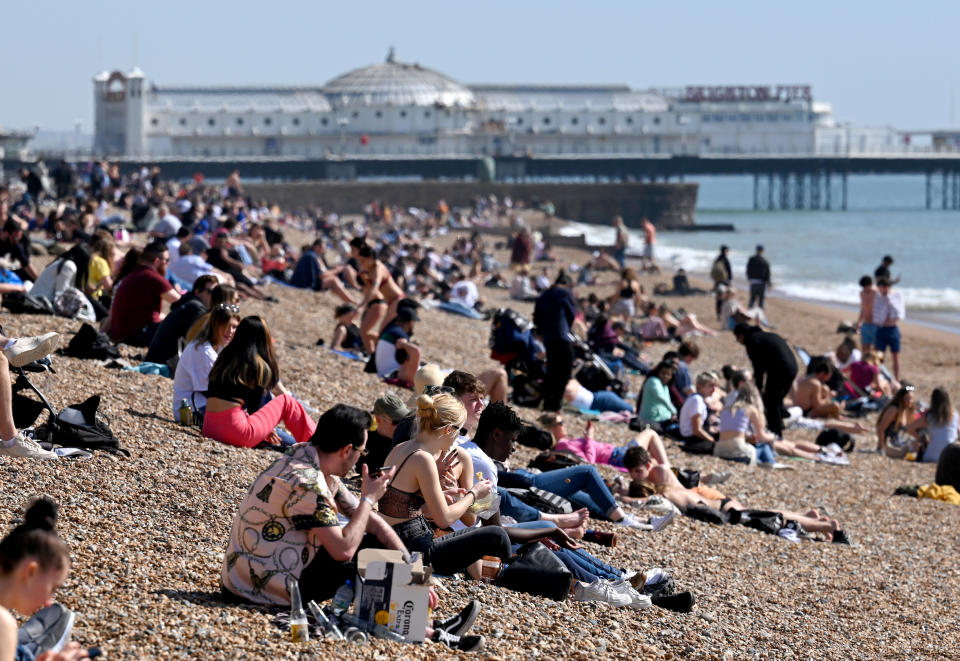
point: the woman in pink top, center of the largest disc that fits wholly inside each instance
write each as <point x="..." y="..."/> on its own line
<point x="596" y="452"/>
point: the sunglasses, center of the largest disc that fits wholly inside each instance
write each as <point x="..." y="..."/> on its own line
<point x="909" y="388"/>
<point x="432" y="390"/>
<point x="363" y="451"/>
<point x="229" y="307"/>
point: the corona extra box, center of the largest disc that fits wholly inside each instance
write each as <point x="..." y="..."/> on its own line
<point x="392" y="592"/>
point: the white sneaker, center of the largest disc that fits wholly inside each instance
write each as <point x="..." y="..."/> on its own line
<point x="660" y="522"/>
<point x="25" y="350"/>
<point x="794" y="413"/>
<point x="637" y="601"/>
<point x="716" y="478"/>
<point x="27" y="448"/>
<point x="632" y="522"/>
<point x="834" y="449"/>
<point x="601" y="590"/>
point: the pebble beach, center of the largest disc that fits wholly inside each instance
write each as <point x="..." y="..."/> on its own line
<point x="147" y="534"/>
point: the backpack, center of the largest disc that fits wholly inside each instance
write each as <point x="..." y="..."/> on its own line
<point x="20" y="303"/>
<point x="92" y="434"/>
<point x="89" y="343"/>
<point x="719" y="272"/>
<point x="545" y="501"/>
<point x="534" y="437"/>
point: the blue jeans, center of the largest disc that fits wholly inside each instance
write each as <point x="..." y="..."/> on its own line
<point x="515" y="508"/>
<point x="585" y="567"/>
<point x="581" y="485"/>
<point x="459" y="308"/>
<point x="607" y="400"/>
<point x="765" y="454"/>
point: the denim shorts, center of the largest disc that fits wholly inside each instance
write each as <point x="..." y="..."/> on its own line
<point x="868" y="334"/>
<point x="888" y="336"/>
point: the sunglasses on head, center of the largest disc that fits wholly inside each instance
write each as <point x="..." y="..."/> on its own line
<point x="229" y="307"/>
<point x="432" y="390"/>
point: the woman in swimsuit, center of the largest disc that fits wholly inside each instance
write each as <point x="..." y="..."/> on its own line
<point x="432" y="477"/>
<point x="892" y="423"/>
<point x="381" y="296"/>
<point x="629" y="296"/>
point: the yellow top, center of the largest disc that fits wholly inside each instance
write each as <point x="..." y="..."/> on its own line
<point x="97" y="271"/>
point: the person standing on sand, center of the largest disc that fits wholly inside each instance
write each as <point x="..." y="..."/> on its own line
<point x="623" y="240"/>
<point x="868" y="329"/>
<point x="720" y="274"/>
<point x="883" y="271"/>
<point x="888" y="311"/>
<point x="774" y="369"/>
<point x="553" y="314"/>
<point x="649" y="239"/>
<point x="758" y="273"/>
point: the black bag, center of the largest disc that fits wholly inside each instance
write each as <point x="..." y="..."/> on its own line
<point x="95" y="434"/>
<point x="762" y="520"/>
<point x="91" y="344"/>
<point x="688" y="478"/>
<point x="526" y="391"/>
<point x="20" y="303"/>
<point x="545" y="501"/>
<point x="841" y="438"/>
<point x="552" y="460"/>
<point x="708" y="514"/>
<point x="533" y="437"/>
<point x="537" y="571"/>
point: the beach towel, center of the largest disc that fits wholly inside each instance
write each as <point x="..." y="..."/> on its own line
<point x="348" y="354"/>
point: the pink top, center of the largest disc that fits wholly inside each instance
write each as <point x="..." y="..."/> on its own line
<point x="589" y="450"/>
<point x="863" y="373"/>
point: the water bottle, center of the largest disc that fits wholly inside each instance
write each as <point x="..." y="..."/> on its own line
<point x="331" y="629"/>
<point x="342" y="599"/>
<point x="299" y="627"/>
<point x="185" y="413"/>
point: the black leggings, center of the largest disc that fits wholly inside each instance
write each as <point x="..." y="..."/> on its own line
<point x="454" y="551"/>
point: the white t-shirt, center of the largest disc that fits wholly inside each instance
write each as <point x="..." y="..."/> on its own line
<point x="482" y="463"/>
<point x="695" y="405"/>
<point x="465" y="293"/>
<point x="193" y="375"/>
<point x="583" y="399"/>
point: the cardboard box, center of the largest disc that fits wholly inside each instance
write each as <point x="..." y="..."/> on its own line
<point x="392" y="592"/>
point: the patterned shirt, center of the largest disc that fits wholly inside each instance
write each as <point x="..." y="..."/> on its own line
<point x="273" y="533"/>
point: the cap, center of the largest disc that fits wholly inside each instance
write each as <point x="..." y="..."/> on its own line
<point x="407" y="314"/>
<point x="391" y="406"/>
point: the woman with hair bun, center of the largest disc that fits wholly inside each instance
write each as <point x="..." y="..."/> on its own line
<point x="34" y="562"/>
<point x="422" y="464"/>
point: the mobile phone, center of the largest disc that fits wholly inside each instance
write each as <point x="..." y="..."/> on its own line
<point x="377" y="473"/>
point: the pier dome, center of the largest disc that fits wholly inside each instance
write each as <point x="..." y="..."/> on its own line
<point x="394" y="83"/>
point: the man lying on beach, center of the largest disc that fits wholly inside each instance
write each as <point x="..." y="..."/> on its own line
<point x="643" y="469"/>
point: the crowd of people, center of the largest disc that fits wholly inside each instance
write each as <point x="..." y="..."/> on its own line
<point x="167" y="267"/>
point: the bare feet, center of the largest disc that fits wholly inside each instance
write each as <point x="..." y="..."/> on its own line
<point x="572" y="520"/>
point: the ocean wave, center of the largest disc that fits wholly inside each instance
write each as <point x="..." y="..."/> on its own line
<point x="917" y="298"/>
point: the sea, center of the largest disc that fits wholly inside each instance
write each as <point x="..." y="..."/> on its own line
<point x="821" y="255"/>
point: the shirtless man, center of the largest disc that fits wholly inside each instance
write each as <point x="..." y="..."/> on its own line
<point x="381" y="296"/>
<point x="868" y="329"/>
<point x="642" y="467"/>
<point x="812" y="393"/>
<point x="649" y="239"/>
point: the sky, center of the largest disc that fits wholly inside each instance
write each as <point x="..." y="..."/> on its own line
<point x="878" y="62"/>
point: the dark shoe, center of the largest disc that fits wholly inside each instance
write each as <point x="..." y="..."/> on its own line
<point x="271" y="299"/>
<point x="840" y="537"/>
<point x="48" y="629"/>
<point x="460" y="623"/>
<point x="681" y="602"/>
<point x="601" y="537"/>
<point x="461" y="643"/>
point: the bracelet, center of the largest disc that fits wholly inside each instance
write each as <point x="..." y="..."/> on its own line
<point x="369" y="500"/>
<point x="474" y="494"/>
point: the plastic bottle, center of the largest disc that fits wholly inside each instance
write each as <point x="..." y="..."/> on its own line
<point x="185" y="413"/>
<point x="299" y="627"/>
<point x="343" y="598"/>
<point x="378" y="630"/>
<point x="325" y="622"/>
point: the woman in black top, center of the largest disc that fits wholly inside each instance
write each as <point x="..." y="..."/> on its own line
<point x="245" y="370"/>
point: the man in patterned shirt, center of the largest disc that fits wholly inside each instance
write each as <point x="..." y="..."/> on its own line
<point x="289" y="523"/>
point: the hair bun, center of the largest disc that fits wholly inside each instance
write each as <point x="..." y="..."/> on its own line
<point x="41" y="515"/>
<point x="425" y="404"/>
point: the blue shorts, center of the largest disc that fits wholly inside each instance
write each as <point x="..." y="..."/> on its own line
<point x="868" y="334"/>
<point x="888" y="336"/>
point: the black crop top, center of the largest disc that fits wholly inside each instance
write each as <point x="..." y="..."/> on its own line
<point x="250" y="398"/>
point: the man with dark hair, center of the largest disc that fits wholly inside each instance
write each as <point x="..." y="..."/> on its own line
<point x="883" y="271"/>
<point x="888" y="310"/>
<point x="470" y="391"/>
<point x="137" y="306"/>
<point x="774" y="369"/>
<point x="312" y="273"/>
<point x="183" y="314"/>
<point x="758" y="273"/>
<point x="553" y="314"/>
<point x="813" y="394"/>
<point x="868" y="329"/>
<point x="287" y="525"/>
<point x="688" y="351"/>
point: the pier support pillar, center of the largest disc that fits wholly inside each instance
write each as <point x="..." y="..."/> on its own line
<point x="843" y="201"/>
<point x="784" y="191"/>
<point x="756" y="192"/>
<point x="946" y="190"/>
<point x="815" y="190"/>
<point x="799" y="191"/>
<point x="829" y="193"/>
<point x="929" y="189"/>
<point x="770" y="191"/>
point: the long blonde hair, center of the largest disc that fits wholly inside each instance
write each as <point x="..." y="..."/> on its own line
<point x="443" y="410"/>
<point x="747" y="396"/>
